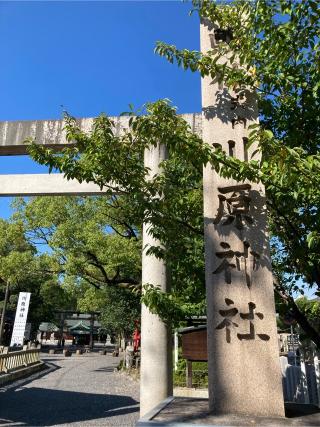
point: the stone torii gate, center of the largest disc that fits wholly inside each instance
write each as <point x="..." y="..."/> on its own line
<point x="243" y="362"/>
<point x="156" y="363"/>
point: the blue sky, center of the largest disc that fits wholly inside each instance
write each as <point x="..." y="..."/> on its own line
<point x="90" y="57"/>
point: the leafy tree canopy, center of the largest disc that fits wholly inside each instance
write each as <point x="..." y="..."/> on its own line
<point x="172" y="202"/>
<point x="274" y="48"/>
<point x="26" y="271"/>
<point x="119" y="308"/>
<point x="95" y="248"/>
<point x="89" y="238"/>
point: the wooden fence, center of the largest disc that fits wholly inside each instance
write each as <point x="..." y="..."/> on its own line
<point x="10" y="362"/>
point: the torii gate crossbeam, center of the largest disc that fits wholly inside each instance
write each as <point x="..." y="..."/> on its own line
<point x="45" y="185"/>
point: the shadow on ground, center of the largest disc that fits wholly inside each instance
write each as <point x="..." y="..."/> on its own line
<point x="294" y="410"/>
<point x="44" y="407"/>
<point x="106" y="369"/>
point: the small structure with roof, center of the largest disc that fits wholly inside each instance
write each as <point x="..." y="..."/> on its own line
<point x="79" y="328"/>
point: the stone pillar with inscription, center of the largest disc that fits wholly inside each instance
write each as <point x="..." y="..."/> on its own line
<point x="243" y="355"/>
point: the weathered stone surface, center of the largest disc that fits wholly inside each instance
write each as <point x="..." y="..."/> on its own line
<point x="45" y="185"/>
<point x="51" y="132"/>
<point x="191" y="412"/>
<point x="156" y="353"/>
<point x="156" y="346"/>
<point x="244" y="372"/>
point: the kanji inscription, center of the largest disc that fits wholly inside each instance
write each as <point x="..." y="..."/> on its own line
<point x="250" y="316"/>
<point x="228" y="324"/>
<point x="232" y="260"/>
<point x="239" y="120"/>
<point x="241" y="320"/>
<point x="234" y="205"/>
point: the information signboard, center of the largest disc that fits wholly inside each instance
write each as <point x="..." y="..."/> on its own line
<point x="20" y="319"/>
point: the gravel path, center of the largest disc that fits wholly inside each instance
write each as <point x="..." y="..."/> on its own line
<point x="75" y="391"/>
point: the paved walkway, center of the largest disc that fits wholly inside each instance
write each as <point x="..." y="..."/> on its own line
<point x="76" y="391"/>
<point x="191" y="411"/>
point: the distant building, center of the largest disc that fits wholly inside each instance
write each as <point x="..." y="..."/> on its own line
<point x="75" y="329"/>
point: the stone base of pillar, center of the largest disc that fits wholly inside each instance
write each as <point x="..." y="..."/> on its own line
<point x="194" y="411"/>
<point x="156" y="362"/>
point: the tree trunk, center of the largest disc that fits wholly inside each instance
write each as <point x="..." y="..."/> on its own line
<point x="3" y="314"/>
<point x="304" y="323"/>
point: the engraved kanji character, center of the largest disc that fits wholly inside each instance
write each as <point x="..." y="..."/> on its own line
<point x="234" y="204"/>
<point x="228" y="255"/>
<point x="227" y="322"/>
<point x="250" y="316"/>
<point x="226" y="265"/>
<point x="239" y="120"/>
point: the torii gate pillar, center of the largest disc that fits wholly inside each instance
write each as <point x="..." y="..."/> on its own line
<point x="156" y="347"/>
